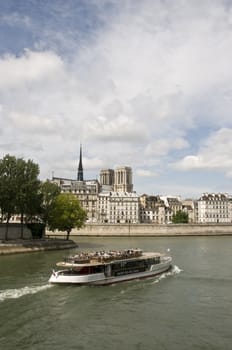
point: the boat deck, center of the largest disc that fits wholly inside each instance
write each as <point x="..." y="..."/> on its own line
<point x="94" y="261"/>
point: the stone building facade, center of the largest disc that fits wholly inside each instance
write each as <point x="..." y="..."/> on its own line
<point x="114" y="190"/>
<point x="112" y="200"/>
<point x="214" y="208"/>
<point x="123" y="179"/>
<point x="107" y="179"/>
<point x="158" y="209"/>
<point x="118" y="207"/>
<point x="188" y="206"/>
<point x="118" y="180"/>
<point x="152" y="209"/>
<point x="87" y="192"/>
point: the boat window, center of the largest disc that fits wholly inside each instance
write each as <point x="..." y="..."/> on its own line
<point x="126" y="267"/>
<point x="155" y="260"/>
<point x="85" y="270"/>
<point x="97" y="269"/>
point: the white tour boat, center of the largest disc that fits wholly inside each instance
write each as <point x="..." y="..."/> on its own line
<point x="101" y="268"/>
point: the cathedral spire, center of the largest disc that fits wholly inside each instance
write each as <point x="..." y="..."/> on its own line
<point x="80" y="176"/>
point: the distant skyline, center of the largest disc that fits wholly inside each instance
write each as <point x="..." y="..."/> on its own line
<point x="145" y="84"/>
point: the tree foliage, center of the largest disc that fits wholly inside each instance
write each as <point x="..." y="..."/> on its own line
<point x="181" y="217"/>
<point x="49" y="191"/>
<point x="19" y="186"/>
<point x="8" y="187"/>
<point x="66" y="213"/>
<point x="28" y="200"/>
<point x="22" y="193"/>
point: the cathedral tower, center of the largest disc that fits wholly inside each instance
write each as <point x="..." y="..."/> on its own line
<point x="80" y="176"/>
<point x="123" y="179"/>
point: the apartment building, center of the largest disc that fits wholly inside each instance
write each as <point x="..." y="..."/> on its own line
<point x="214" y="208"/>
<point x="158" y="209"/>
<point x="152" y="209"/>
<point x="118" y="207"/>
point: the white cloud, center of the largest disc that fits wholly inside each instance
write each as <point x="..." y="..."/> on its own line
<point x="34" y="123"/>
<point x="215" y="154"/>
<point x="162" y="147"/>
<point x="31" y="67"/>
<point x="131" y="92"/>
<point x="190" y="162"/>
<point x="145" y="173"/>
<point x="120" y="128"/>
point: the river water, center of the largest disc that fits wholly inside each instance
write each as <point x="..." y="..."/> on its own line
<point x="187" y="308"/>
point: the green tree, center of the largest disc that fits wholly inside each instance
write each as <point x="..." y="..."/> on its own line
<point x="66" y="213"/>
<point x="181" y="217"/>
<point x="28" y="199"/>
<point x="8" y="188"/>
<point x="49" y="191"/>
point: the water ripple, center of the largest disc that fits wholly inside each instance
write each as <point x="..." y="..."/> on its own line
<point x="19" y="292"/>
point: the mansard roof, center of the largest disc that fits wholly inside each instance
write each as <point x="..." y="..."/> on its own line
<point x="214" y="197"/>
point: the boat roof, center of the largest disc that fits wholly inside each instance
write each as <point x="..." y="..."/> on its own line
<point x="95" y="262"/>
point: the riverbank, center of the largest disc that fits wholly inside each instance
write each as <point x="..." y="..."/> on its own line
<point x="118" y="230"/>
<point x="30" y="246"/>
<point x="148" y="230"/>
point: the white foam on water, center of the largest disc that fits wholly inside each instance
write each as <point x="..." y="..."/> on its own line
<point x="18" y="293"/>
<point x="175" y="270"/>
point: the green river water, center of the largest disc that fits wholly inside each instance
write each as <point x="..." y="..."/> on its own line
<point x="189" y="307"/>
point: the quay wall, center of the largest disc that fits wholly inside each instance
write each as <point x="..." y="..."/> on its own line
<point x="150" y="230"/>
<point x="14" y="232"/>
<point x="31" y="246"/>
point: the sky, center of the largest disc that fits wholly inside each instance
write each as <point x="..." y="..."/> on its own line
<point x="145" y="84"/>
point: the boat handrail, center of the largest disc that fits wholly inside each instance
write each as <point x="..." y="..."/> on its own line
<point x="103" y="256"/>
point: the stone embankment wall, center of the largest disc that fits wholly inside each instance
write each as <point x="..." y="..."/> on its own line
<point x="149" y="230"/>
<point x="14" y="232"/>
<point x="30" y="246"/>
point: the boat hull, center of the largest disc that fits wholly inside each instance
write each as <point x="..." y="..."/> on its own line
<point x="100" y="278"/>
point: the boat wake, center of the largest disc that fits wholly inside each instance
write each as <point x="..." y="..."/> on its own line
<point x="18" y="293"/>
<point x="175" y="270"/>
